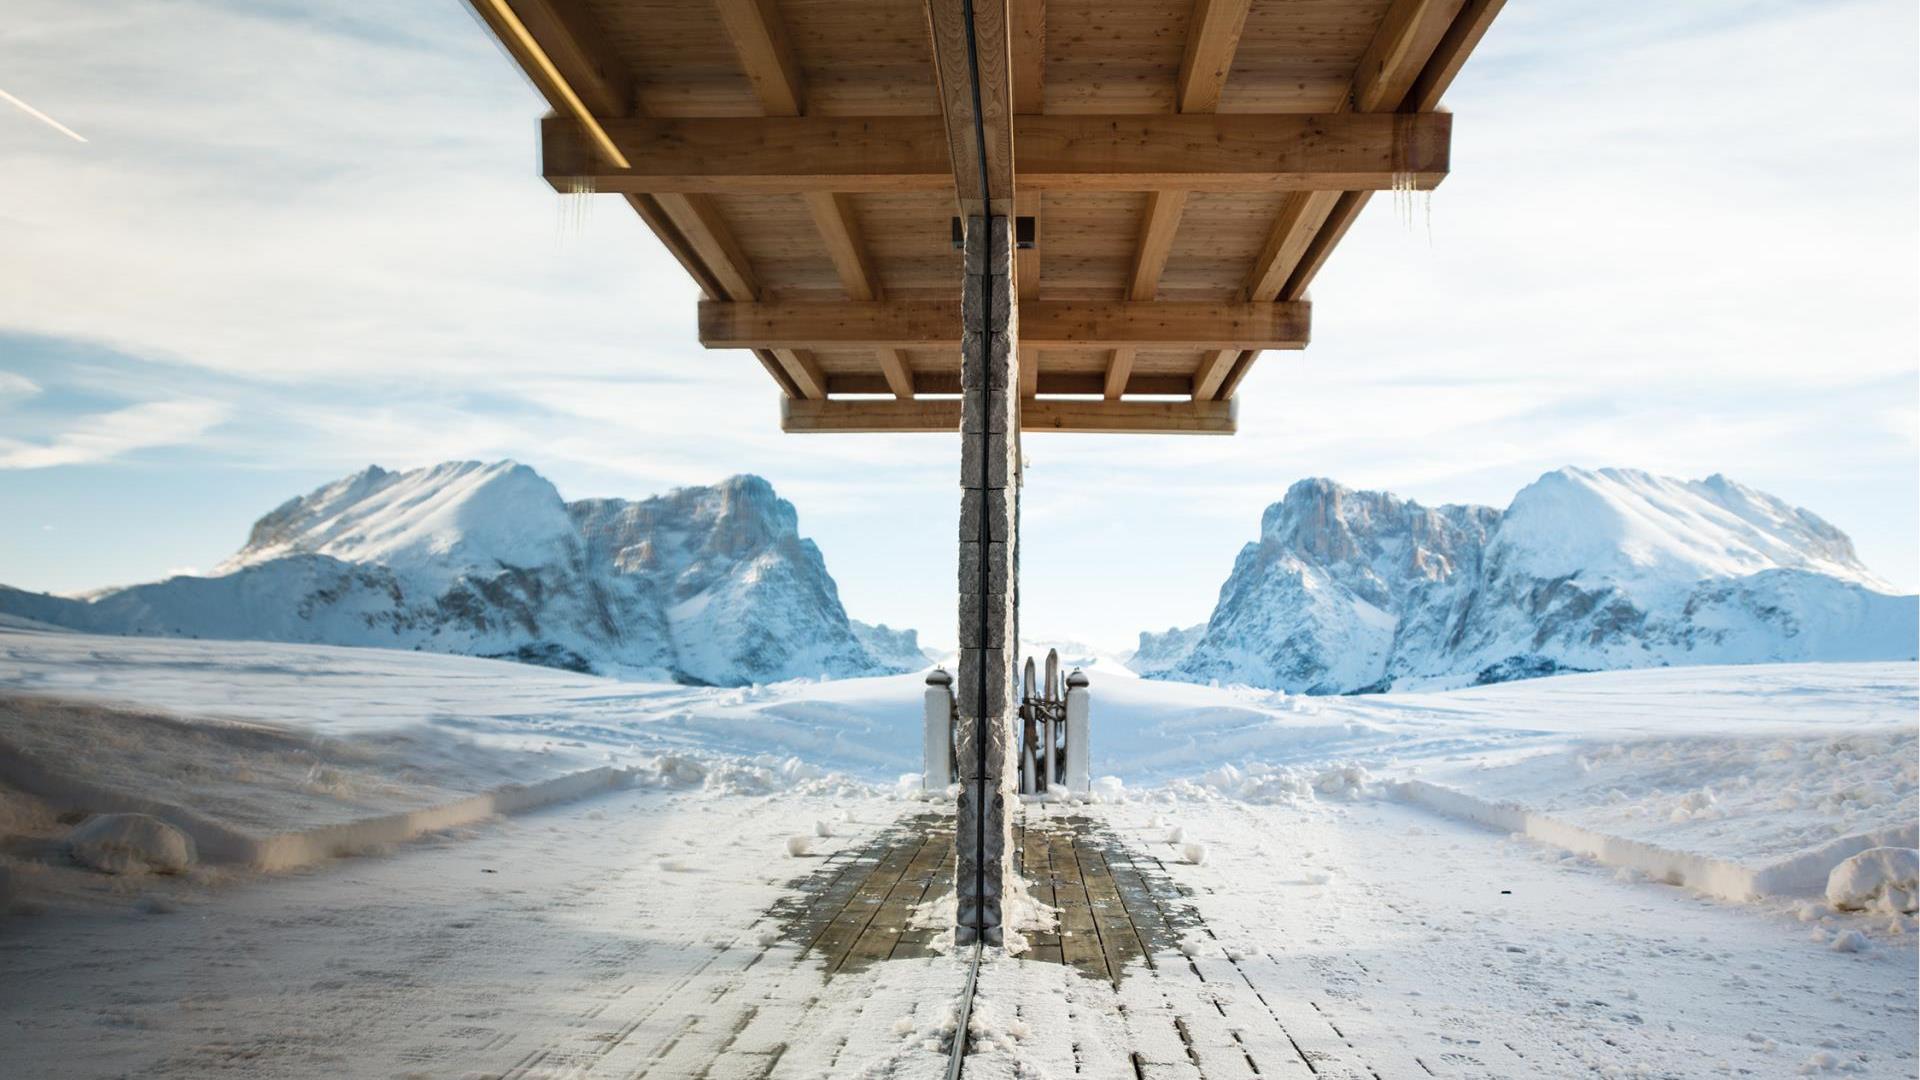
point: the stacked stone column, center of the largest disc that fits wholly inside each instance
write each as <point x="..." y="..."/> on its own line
<point x="989" y="515"/>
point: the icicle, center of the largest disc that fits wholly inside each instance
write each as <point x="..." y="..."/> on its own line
<point x="575" y="203"/>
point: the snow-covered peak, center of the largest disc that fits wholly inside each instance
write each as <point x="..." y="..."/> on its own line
<point x="444" y="518"/>
<point x="1643" y="531"/>
<point x="1352" y="590"/>
<point x="709" y="585"/>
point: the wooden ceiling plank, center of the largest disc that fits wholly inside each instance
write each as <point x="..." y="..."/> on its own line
<point x="1213" y="36"/>
<point x="1059" y="324"/>
<point x="759" y="36"/>
<point x="1029" y="32"/>
<point x="1041" y="414"/>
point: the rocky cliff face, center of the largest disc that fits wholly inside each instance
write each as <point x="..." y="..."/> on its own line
<point x="1348" y="591"/>
<point x="705" y="584"/>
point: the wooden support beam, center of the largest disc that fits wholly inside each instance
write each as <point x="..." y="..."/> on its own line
<point x="901" y="324"/>
<point x="973" y="61"/>
<point x="803" y="370"/>
<point x="760" y="38"/>
<point x="1239" y="371"/>
<point x="833" y="216"/>
<point x="1078" y="383"/>
<point x="1039" y="414"/>
<point x="699" y="220"/>
<point x="1213" y="370"/>
<point x="1119" y="376"/>
<point x="1449" y="56"/>
<point x="566" y="61"/>
<point x="1213" y="35"/>
<point x="1157" y="230"/>
<point x="1405" y="40"/>
<point x="1418" y="48"/>
<point x="1227" y="153"/>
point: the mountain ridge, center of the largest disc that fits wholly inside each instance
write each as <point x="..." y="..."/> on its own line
<point x="1349" y="591"/>
<point x="706" y="584"/>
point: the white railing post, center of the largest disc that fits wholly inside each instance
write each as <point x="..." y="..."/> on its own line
<point x="937" y="732"/>
<point x="1079" y="758"/>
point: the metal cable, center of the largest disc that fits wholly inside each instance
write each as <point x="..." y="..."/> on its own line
<point x="959" y="1054"/>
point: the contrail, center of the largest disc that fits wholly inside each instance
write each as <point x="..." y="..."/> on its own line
<point x="38" y="115"/>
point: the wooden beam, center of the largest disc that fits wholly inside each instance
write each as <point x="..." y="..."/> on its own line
<point x="1028" y="19"/>
<point x="1080" y="383"/>
<point x="777" y="371"/>
<point x="699" y="220"/>
<point x="1461" y="39"/>
<point x="804" y="371"/>
<point x="1039" y="414"/>
<point x="1213" y="370"/>
<point x="760" y="38"/>
<point x="1157" y="229"/>
<point x="973" y="61"/>
<point x="1116" y="382"/>
<point x="901" y="324"/>
<point x="833" y="216"/>
<point x="546" y="38"/>
<point x="1223" y="153"/>
<point x="1412" y="58"/>
<point x="1213" y="35"/>
<point x="840" y="230"/>
<point x="1408" y="34"/>
<point x="1240" y="368"/>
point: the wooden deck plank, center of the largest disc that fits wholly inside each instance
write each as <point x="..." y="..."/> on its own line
<point x="1079" y="936"/>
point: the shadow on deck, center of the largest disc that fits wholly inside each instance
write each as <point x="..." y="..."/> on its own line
<point x="1117" y="906"/>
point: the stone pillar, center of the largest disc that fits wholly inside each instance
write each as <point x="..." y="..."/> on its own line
<point x="989" y="512"/>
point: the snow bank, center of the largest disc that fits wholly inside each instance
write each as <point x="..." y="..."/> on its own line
<point x="1886" y="878"/>
<point x="1797" y="875"/>
<point x="131" y="844"/>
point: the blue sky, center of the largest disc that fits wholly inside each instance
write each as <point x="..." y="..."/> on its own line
<point x="1679" y="237"/>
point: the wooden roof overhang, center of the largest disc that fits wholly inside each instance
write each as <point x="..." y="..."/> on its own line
<point x="1189" y="165"/>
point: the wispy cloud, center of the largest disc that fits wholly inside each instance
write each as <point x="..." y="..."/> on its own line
<point x="106" y="436"/>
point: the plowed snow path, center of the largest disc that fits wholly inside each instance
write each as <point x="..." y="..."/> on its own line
<point x="627" y="936"/>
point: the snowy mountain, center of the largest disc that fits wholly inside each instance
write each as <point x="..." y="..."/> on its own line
<point x="1586" y="570"/>
<point x="899" y="649"/>
<point x="704" y="584"/>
